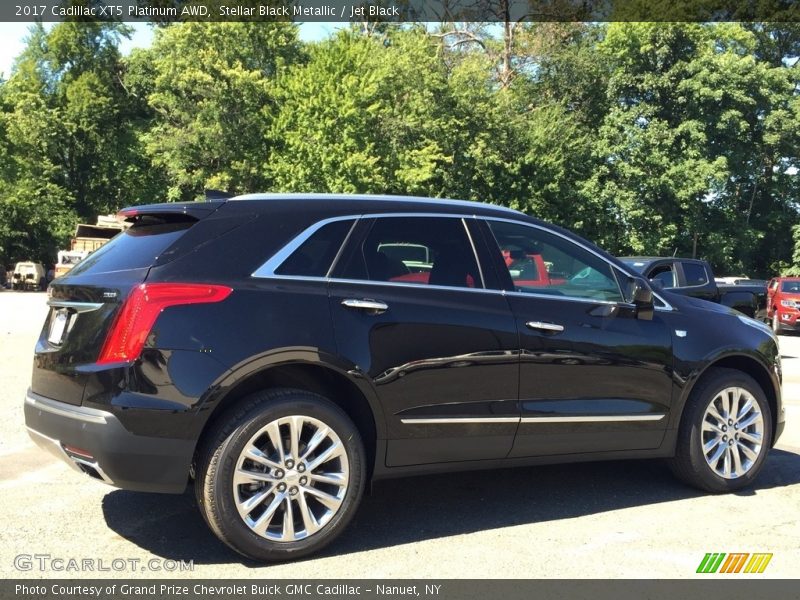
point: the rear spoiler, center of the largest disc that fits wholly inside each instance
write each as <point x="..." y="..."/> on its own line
<point x="196" y="210"/>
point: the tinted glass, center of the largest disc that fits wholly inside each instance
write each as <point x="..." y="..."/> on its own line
<point x="792" y="287"/>
<point x="695" y="274"/>
<point x="415" y="250"/>
<point x="313" y="258"/>
<point x="135" y="248"/>
<point x="665" y="275"/>
<point x="543" y="263"/>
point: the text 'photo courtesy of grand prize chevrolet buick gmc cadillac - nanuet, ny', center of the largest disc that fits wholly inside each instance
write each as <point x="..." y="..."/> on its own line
<point x="280" y="352"/>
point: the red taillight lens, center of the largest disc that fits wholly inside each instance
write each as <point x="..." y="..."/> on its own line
<point x="141" y="309"/>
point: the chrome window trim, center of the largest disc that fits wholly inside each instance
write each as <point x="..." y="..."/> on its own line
<point x="268" y="268"/>
<point x="474" y="253"/>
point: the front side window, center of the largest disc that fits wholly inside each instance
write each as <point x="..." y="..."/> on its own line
<point x="542" y="263"/>
<point x="415" y="250"/>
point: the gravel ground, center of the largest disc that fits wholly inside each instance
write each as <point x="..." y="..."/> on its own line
<point x="614" y="519"/>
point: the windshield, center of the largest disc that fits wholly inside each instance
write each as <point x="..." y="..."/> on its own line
<point x="636" y="265"/>
<point x="792" y="287"/>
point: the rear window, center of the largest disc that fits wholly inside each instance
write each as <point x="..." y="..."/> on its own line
<point x="695" y="274"/>
<point x="136" y="248"/>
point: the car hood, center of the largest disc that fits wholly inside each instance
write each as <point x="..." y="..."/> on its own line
<point x="680" y="301"/>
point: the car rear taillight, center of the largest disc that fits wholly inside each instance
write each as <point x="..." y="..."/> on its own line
<point x="140" y="310"/>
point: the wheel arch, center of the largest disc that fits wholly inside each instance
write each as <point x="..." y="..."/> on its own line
<point x="347" y="389"/>
<point x="745" y="364"/>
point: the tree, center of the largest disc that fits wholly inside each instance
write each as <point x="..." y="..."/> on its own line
<point x="211" y="90"/>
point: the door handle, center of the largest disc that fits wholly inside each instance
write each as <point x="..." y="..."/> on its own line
<point x="374" y="307"/>
<point x="542" y="326"/>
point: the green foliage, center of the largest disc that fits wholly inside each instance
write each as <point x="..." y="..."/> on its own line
<point x="648" y="138"/>
<point x="211" y="89"/>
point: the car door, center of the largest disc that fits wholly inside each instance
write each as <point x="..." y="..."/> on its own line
<point x="593" y="376"/>
<point x="439" y="348"/>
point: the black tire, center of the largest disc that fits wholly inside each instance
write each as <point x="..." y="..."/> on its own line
<point x="218" y="458"/>
<point x="689" y="464"/>
<point x="776" y="324"/>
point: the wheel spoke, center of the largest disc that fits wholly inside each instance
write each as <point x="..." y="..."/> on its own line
<point x="331" y="478"/>
<point x="248" y="505"/>
<point x="726" y="405"/>
<point x="712" y="410"/>
<point x="709" y="426"/>
<point x="258" y="456"/>
<point x="318" y="437"/>
<point x="753" y="438"/>
<point x="744" y="409"/>
<point x="753" y="418"/>
<point x="274" y="432"/>
<point x="736" y="394"/>
<point x="711" y="444"/>
<point x="748" y="452"/>
<point x="737" y="460"/>
<point x="265" y="519"/>
<point x="333" y="451"/>
<point x="309" y="520"/>
<point x="716" y="456"/>
<point x="326" y="499"/>
<point x="288" y="521"/>
<point x="295" y="431"/>
<point x="243" y="476"/>
<point x="726" y="462"/>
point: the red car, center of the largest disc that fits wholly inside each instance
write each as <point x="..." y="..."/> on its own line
<point x="783" y="303"/>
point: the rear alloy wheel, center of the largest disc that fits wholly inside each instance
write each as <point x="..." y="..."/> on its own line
<point x="725" y="433"/>
<point x="283" y="477"/>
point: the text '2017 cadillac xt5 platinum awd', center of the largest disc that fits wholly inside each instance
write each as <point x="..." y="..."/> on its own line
<point x="287" y="350"/>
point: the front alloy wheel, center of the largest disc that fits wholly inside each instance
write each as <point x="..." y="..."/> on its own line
<point x="281" y="474"/>
<point x="725" y="432"/>
<point x="732" y="432"/>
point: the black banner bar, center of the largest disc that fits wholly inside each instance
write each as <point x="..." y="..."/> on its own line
<point x="165" y="11"/>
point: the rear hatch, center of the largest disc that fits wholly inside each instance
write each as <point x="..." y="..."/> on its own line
<point x="84" y="302"/>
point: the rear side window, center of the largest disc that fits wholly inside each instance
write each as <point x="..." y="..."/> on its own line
<point x="415" y="251"/>
<point x="313" y="258"/>
<point x="695" y="274"/>
<point x="135" y="248"/>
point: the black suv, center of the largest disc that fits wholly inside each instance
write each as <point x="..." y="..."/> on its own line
<point x="284" y="350"/>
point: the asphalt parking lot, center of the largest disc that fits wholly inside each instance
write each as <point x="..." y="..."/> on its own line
<point x="612" y="519"/>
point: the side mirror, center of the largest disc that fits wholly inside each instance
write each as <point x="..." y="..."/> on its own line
<point x="642" y="299"/>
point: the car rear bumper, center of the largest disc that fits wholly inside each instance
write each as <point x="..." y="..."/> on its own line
<point x="96" y="443"/>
